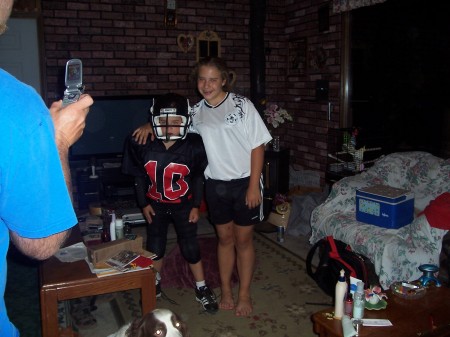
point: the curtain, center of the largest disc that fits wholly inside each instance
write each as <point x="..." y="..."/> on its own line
<point x="340" y="6"/>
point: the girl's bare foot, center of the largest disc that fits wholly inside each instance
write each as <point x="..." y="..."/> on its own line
<point x="226" y="301"/>
<point x="244" y="306"/>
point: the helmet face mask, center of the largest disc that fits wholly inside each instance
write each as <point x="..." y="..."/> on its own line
<point x="170" y="117"/>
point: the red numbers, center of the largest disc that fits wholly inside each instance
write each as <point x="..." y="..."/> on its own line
<point x="174" y="185"/>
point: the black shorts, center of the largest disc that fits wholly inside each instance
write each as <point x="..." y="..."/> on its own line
<point x="226" y="202"/>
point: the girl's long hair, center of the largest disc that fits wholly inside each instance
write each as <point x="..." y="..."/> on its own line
<point x="217" y="62"/>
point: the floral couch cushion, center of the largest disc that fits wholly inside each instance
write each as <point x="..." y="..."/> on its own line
<point x="420" y="172"/>
<point x="396" y="253"/>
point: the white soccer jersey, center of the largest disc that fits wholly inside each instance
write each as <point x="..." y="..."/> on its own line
<point x="230" y="130"/>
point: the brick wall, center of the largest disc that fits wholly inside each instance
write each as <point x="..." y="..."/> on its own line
<point x="295" y="91"/>
<point x="127" y="50"/>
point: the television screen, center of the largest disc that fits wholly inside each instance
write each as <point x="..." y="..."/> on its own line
<point x="109" y="122"/>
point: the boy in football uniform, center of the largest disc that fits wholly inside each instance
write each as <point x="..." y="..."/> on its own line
<point x="169" y="180"/>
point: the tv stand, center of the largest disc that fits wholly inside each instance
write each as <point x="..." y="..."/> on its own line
<point x="110" y="185"/>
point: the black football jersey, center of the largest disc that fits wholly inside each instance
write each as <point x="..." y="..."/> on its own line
<point x="170" y="175"/>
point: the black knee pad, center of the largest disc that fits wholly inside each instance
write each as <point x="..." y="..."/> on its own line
<point x="157" y="246"/>
<point x="190" y="250"/>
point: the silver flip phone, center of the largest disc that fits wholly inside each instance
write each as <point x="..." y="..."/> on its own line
<point x="73" y="81"/>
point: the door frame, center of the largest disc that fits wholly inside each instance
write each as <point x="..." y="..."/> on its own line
<point x="36" y="14"/>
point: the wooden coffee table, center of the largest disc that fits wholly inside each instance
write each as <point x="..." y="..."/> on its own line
<point x="63" y="281"/>
<point x="409" y="317"/>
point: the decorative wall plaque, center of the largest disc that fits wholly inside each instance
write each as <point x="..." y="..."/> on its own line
<point x="208" y="44"/>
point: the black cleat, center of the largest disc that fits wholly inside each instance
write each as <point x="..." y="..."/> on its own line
<point x="207" y="298"/>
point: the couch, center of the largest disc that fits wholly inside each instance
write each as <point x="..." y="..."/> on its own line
<point x="395" y="253"/>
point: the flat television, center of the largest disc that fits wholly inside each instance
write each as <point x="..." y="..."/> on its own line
<point x="109" y="122"/>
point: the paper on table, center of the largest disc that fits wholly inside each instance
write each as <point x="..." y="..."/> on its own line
<point x="376" y="322"/>
<point x="72" y="253"/>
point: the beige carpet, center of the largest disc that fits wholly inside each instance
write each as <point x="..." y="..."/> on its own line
<point x="282" y="294"/>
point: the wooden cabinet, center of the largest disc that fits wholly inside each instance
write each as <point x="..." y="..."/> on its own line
<point x="276" y="175"/>
<point x="276" y="172"/>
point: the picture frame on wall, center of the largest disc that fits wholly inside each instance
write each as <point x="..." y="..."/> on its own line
<point x="208" y="44"/>
<point x="317" y="58"/>
<point x="323" y="16"/>
<point x="297" y="56"/>
<point x="26" y="7"/>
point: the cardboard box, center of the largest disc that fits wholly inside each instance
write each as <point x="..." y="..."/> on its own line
<point x="385" y="206"/>
<point x="280" y="216"/>
<point x="103" y="251"/>
<point x="302" y="190"/>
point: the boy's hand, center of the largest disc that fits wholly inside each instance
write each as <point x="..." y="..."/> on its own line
<point x="141" y="134"/>
<point x="148" y="212"/>
<point x="194" y="215"/>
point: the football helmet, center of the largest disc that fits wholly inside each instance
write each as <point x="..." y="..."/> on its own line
<point x="166" y="106"/>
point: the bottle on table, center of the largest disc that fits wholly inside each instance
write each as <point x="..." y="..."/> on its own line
<point x="112" y="226"/>
<point x="348" y="306"/>
<point x="119" y="228"/>
<point x="340" y="292"/>
<point x="105" y="234"/>
<point x="359" y="301"/>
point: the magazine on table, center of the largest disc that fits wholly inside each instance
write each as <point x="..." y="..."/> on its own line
<point x="123" y="262"/>
<point x="127" y="259"/>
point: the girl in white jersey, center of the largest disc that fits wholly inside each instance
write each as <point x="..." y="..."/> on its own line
<point x="234" y="136"/>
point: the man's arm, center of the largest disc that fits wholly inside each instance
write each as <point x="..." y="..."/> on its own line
<point x="69" y="125"/>
<point x="40" y="249"/>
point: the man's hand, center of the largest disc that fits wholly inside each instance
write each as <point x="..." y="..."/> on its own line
<point x="141" y="134"/>
<point x="148" y="212"/>
<point x="70" y="121"/>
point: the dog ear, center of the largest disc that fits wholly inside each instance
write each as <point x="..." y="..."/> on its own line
<point x="135" y="326"/>
<point x="183" y="328"/>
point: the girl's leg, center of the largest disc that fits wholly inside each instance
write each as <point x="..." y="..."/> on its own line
<point x="226" y="258"/>
<point x="245" y="257"/>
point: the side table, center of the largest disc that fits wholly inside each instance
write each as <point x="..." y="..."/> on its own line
<point x="410" y="318"/>
<point x="61" y="281"/>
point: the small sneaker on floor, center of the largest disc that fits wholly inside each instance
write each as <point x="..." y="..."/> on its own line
<point x="158" y="289"/>
<point x="207" y="298"/>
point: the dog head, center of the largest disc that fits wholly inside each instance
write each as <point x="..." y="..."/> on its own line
<point x="158" y="323"/>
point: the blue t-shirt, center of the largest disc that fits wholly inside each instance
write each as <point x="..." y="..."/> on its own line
<point x="34" y="201"/>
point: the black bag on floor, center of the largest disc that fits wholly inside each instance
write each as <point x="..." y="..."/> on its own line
<point x="335" y="255"/>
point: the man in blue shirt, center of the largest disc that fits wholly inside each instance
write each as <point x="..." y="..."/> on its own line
<point x="36" y="211"/>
